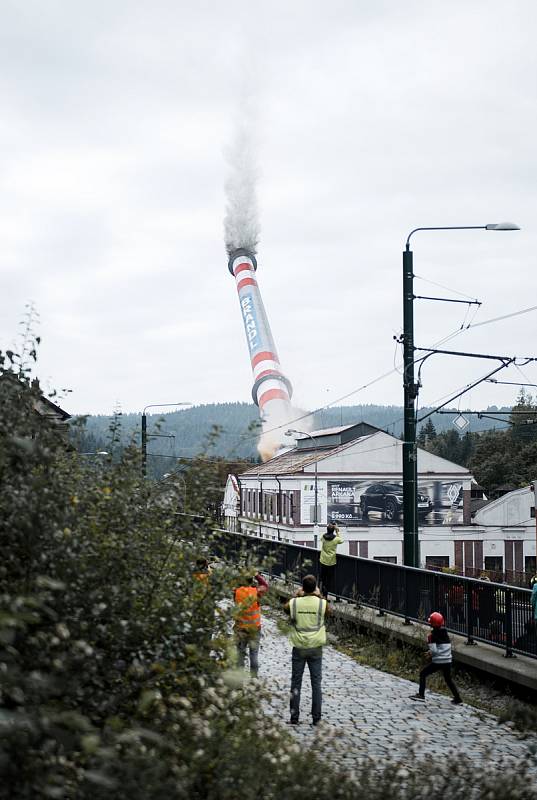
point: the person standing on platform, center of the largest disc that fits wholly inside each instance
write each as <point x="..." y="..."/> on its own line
<point x="308" y="636"/>
<point x="329" y="543"/>
<point x="248" y="619"/>
<point x="439" y="652"/>
<point x="202" y="573"/>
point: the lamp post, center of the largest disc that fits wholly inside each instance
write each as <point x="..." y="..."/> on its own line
<point x="291" y="432"/>
<point x="144" y="430"/>
<point x="410" y="388"/>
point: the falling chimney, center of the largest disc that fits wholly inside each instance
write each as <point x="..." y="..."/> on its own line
<point x="271" y="391"/>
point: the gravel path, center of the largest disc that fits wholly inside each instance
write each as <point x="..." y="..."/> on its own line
<point x="371" y="715"/>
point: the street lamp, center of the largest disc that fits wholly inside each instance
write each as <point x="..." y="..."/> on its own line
<point x="144" y="430"/>
<point x="410" y="388"/>
<point x="292" y="432"/>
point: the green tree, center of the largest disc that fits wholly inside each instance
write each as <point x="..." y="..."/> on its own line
<point x="427" y="434"/>
<point x="523" y="419"/>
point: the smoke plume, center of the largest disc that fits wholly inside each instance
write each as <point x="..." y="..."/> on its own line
<point x="241" y="222"/>
<point x="276" y="422"/>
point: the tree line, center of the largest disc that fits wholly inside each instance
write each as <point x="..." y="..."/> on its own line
<point x="501" y="460"/>
<point x="186" y="433"/>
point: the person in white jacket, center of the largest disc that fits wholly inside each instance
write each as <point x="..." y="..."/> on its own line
<point x="439" y="652"/>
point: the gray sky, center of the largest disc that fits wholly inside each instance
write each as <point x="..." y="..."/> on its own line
<point x="372" y="119"/>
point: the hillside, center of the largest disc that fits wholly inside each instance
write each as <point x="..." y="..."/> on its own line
<point x="238" y="422"/>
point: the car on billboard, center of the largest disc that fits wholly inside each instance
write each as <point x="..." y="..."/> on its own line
<point x="388" y="499"/>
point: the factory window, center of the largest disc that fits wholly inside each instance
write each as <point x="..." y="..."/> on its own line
<point x="353" y="548"/>
<point x="436" y="562"/>
<point x="494" y="564"/>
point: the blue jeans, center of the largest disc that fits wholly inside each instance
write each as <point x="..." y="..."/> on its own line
<point x="248" y="641"/>
<point x="313" y="657"/>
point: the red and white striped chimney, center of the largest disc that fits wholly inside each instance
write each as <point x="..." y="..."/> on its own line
<point x="271" y="391"/>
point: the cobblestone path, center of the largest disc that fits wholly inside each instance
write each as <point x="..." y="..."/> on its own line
<point x="371" y="715"/>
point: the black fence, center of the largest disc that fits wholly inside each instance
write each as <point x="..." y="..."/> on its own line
<point x="489" y="612"/>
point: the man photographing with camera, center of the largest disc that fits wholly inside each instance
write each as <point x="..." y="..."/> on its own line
<point x="307" y="611"/>
<point x="327" y="560"/>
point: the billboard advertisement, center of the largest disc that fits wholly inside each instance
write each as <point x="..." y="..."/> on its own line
<point x="367" y="502"/>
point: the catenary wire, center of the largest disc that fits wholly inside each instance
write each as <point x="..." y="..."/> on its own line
<point x="447" y="288"/>
<point x="504" y="316"/>
<point x="385" y="374"/>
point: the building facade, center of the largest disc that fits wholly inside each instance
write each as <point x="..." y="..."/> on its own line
<point x="352" y="475"/>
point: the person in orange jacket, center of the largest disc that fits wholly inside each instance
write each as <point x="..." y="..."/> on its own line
<point x="202" y="573"/>
<point x="248" y="619"/>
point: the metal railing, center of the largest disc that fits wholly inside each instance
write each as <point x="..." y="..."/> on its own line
<point x="488" y="612"/>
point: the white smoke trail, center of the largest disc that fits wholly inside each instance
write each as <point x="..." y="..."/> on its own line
<point x="241" y="222"/>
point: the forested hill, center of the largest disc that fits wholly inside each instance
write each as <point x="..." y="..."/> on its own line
<point x="238" y="424"/>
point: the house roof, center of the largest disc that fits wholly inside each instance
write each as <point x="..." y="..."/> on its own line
<point x="511" y="509"/>
<point x="42" y="405"/>
<point x="46" y="407"/>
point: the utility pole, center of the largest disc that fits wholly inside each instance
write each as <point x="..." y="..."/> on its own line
<point x="144" y="444"/>
<point x="411" y="555"/>
<point x="144" y="431"/>
<point x="535" y="515"/>
<point x="410" y="496"/>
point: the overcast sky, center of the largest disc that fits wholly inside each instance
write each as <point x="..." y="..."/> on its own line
<point x="373" y="118"/>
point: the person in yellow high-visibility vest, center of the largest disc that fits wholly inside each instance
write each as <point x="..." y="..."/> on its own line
<point x="329" y="543"/>
<point x="307" y="611"/>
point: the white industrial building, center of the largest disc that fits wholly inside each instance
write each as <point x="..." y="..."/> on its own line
<point x="355" y="471"/>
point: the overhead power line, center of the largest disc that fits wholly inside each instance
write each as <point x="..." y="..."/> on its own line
<point x="498" y="319"/>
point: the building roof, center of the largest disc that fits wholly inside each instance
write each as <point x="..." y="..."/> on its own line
<point x="288" y="462"/>
<point x="332" y="437"/>
<point x="42" y="405"/>
<point x="373" y="453"/>
<point x="512" y="509"/>
<point x="336" y="429"/>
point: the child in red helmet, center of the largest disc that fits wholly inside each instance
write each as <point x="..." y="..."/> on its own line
<point x="439" y="652"/>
